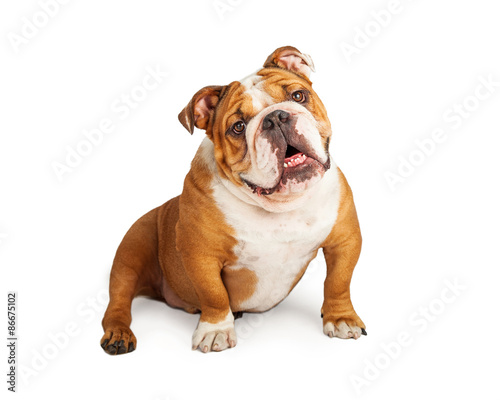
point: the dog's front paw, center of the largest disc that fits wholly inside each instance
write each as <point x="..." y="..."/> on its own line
<point x="214" y="337"/>
<point x="344" y="327"/>
<point x="118" y="340"/>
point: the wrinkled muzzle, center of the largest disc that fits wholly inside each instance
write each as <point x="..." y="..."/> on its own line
<point x="286" y="151"/>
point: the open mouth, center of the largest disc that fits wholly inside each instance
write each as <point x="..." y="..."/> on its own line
<point x="296" y="165"/>
<point x="293" y="157"/>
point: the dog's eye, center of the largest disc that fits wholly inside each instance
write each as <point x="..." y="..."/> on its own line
<point x="299" y="96"/>
<point x="239" y="127"/>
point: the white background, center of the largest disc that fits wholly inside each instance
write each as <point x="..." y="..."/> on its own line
<point x="440" y="225"/>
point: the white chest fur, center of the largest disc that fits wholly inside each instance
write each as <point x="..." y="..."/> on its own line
<point x="277" y="246"/>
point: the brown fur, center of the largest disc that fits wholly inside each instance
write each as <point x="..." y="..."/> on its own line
<point x="240" y="285"/>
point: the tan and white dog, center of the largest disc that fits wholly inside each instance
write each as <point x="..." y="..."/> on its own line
<point x="261" y="198"/>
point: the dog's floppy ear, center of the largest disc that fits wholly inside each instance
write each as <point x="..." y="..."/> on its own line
<point x="200" y="109"/>
<point x="290" y="58"/>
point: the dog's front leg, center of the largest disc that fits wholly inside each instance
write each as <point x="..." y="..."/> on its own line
<point x="215" y="329"/>
<point x="341" y="250"/>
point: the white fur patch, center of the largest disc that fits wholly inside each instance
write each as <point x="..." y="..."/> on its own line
<point x="343" y="331"/>
<point x="277" y="246"/>
<point x="219" y="336"/>
<point x="253" y="88"/>
<point x="264" y="170"/>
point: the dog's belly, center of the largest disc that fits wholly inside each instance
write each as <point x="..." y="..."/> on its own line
<point x="267" y="272"/>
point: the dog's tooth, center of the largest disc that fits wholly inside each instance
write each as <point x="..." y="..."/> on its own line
<point x="285" y="165"/>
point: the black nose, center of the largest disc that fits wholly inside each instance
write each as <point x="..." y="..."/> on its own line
<point x="274" y="118"/>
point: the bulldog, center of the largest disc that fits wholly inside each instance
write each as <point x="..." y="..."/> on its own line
<point x="261" y="198"/>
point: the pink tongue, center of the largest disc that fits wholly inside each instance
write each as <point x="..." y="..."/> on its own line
<point x="292" y="157"/>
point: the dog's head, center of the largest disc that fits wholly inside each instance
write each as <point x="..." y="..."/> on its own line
<point x="270" y="130"/>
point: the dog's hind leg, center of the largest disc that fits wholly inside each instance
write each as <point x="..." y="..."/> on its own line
<point x="135" y="271"/>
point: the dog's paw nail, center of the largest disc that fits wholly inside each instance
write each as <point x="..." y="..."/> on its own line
<point x="238" y="314"/>
<point x="363" y="331"/>
<point x="112" y="348"/>
<point x="104" y="344"/>
<point x="121" y="348"/>
<point x="131" y="347"/>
